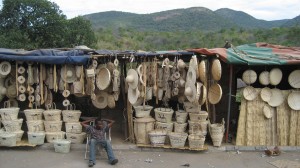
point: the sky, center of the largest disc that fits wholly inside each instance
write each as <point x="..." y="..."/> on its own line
<point x="260" y="9"/>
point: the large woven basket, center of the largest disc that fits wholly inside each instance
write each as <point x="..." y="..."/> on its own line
<point x="19" y="135"/>
<point x="71" y="115"/>
<point x="166" y="126"/>
<point x="8" y="139"/>
<point x="73" y="127"/>
<point x="62" y="145"/>
<point x="163" y="114"/>
<point x="196" y="141"/>
<point x="33" y="114"/>
<point x="35" y="125"/>
<point x="142" y="111"/>
<point x="52" y="115"/>
<point x="217" y="132"/>
<point x="157" y="137"/>
<point x="53" y="126"/>
<point x="51" y="136"/>
<point x="9" y="113"/>
<point x="76" y="138"/>
<point x="180" y="127"/>
<point x="13" y="125"/>
<point x="177" y="139"/>
<point x="200" y="116"/>
<point x="36" y="138"/>
<point x="181" y="116"/>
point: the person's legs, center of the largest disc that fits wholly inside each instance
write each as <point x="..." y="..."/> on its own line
<point x="92" y="157"/>
<point x="110" y="154"/>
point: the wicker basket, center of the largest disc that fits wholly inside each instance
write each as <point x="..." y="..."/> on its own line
<point x="191" y="108"/>
<point x="157" y="137"/>
<point x="36" y="138"/>
<point x="19" y="135"/>
<point x="33" y="114"/>
<point x="76" y="138"/>
<point x="196" y="141"/>
<point x="9" y="113"/>
<point x="180" y="127"/>
<point x="8" y="139"/>
<point x="199" y="127"/>
<point x="142" y="111"/>
<point x="51" y="136"/>
<point x="167" y="126"/>
<point x="12" y="125"/>
<point x="181" y="116"/>
<point x="35" y="126"/>
<point x="53" y="126"/>
<point x="73" y="127"/>
<point x="71" y="115"/>
<point x="177" y="139"/>
<point x="216" y="132"/>
<point x="62" y="145"/>
<point x="52" y="115"/>
<point x="200" y="116"/>
<point x="163" y="114"/>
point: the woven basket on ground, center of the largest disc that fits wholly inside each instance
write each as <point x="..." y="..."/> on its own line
<point x="196" y="141"/>
<point x="62" y="145"/>
<point x="36" y="138"/>
<point x="157" y="137"/>
<point x="177" y="139"/>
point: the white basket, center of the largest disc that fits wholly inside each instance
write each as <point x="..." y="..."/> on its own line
<point x="35" y="126"/>
<point x="71" y="115"/>
<point x="51" y="136"/>
<point x="36" y="138"/>
<point x="167" y="126"/>
<point x="52" y="115"/>
<point x="53" y="126"/>
<point x="180" y="127"/>
<point x="163" y="114"/>
<point x="177" y="139"/>
<point x="157" y="137"/>
<point x="196" y="141"/>
<point x="19" y="135"/>
<point x="76" y="138"/>
<point x="200" y="116"/>
<point x="73" y="127"/>
<point x="34" y="114"/>
<point x="142" y="111"/>
<point x="9" y="113"/>
<point x="12" y="125"/>
<point x="8" y="139"/>
<point x="62" y="145"/>
<point x="181" y="116"/>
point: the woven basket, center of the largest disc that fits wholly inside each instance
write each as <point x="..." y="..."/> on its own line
<point x="217" y="132"/>
<point x="62" y="145"/>
<point x="51" y="136"/>
<point x="76" y="138"/>
<point x="71" y="115"/>
<point x="35" y="125"/>
<point x="181" y="116"/>
<point x="142" y="111"/>
<point x="177" y="139"/>
<point x="167" y="126"/>
<point x="52" y="115"/>
<point x="217" y="139"/>
<point x="12" y="125"/>
<point x="73" y="127"/>
<point x="191" y="108"/>
<point x="34" y="114"/>
<point x="196" y="141"/>
<point x="201" y="116"/>
<point x="199" y="127"/>
<point x="19" y="135"/>
<point x="9" y="113"/>
<point x="53" y="126"/>
<point x="163" y="114"/>
<point x="8" y="139"/>
<point x="180" y="127"/>
<point x="36" y="138"/>
<point x="157" y="137"/>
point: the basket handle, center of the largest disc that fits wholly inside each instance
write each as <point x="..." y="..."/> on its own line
<point x="74" y="106"/>
<point x="7" y="104"/>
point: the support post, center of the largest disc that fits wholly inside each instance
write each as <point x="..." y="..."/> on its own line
<point x="229" y="102"/>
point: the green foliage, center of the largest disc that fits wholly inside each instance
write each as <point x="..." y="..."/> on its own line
<point x="33" y="24"/>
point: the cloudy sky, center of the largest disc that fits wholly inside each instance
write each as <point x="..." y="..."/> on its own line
<point x="260" y="9"/>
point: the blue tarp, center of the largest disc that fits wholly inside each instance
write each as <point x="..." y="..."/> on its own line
<point x="46" y="56"/>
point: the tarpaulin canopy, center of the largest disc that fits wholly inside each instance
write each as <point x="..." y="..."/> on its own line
<point x="255" y="54"/>
<point x="46" y="56"/>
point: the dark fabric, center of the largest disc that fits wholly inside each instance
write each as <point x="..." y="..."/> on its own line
<point x="98" y="134"/>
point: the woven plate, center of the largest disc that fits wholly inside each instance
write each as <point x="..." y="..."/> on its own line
<point x="276" y="98"/>
<point x="203" y="95"/>
<point x="275" y="76"/>
<point x="264" y="78"/>
<point x="265" y="94"/>
<point x="216" y="69"/>
<point x="100" y="100"/>
<point x="249" y="93"/>
<point x="67" y="73"/>
<point x="268" y="111"/>
<point x="294" y="100"/>
<point x="202" y="71"/>
<point x="249" y="76"/>
<point x="103" y="78"/>
<point x="294" y="79"/>
<point x="214" y="94"/>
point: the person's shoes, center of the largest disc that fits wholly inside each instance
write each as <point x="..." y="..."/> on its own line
<point x="115" y="161"/>
<point x="91" y="163"/>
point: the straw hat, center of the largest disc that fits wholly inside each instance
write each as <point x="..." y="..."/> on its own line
<point x="275" y="76"/>
<point x="100" y="100"/>
<point x="11" y="91"/>
<point x="265" y="94"/>
<point x="5" y="68"/>
<point x="68" y="73"/>
<point x="277" y="98"/>
<point x="249" y="76"/>
<point x="202" y="71"/>
<point x="181" y="64"/>
<point x="294" y="79"/>
<point x="293" y="100"/>
<point x="249" y="93"/>
<point x="132" y="78"/>
<point x="111" y="101"/>
<point x="264" y="78"/>
<point x="190" y="91"/>
<point x="214" y="93"/>
<point x="268" y="111"/>
<point x="194" y="64"/>
<point x="191" y="76"/>
<point x="216" y="69"/>
<point x="110" y="66"/>
<point x="133" y="95"/>
<point x="103" y="78"/>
